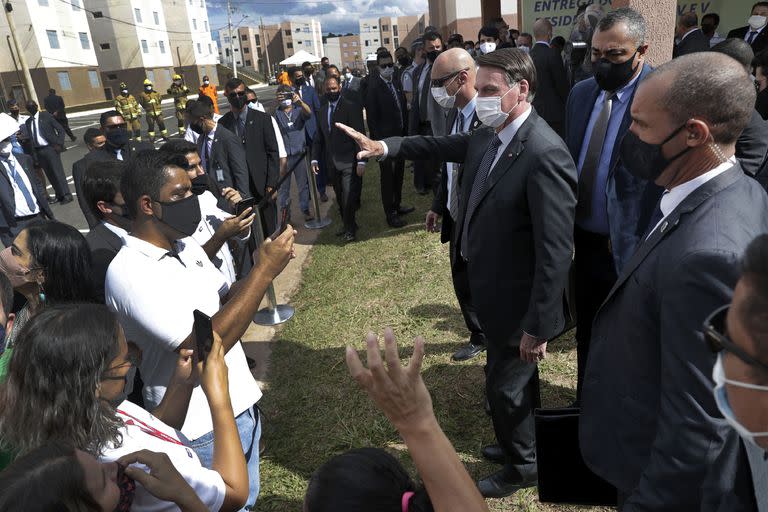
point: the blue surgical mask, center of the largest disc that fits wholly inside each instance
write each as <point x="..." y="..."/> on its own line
<point x="721" y="398"/>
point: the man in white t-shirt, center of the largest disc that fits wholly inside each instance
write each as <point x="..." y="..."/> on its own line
<point x="161" y="276"/>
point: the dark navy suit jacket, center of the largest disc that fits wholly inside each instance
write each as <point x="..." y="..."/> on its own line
<point x="631" y="201"/>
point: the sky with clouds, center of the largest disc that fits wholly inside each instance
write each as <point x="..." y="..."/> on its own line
<point x="339" y="16"/>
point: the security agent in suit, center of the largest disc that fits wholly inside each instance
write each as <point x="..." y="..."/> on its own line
<point x="691" y="38"/>
<point x="514" y="230"/>
<point x="649" y="424"/>
<point x="101" y="188"/>
<point x="255" y="130"/>
<point x="551" y="78"/>
<point x="455" y="68"/>
<point x="344" y="169"/>
<point x="754" y="33"/>
<point x="22" y="199"/>
<point x="309" y="96"/>
<point x="614" y="206"/>
<point x="388" y="117"/>
<point x="118" y="147"/>
<point x="54" y="104"/>
<point x="222" y="155"/>
<point x="46" y="139"/>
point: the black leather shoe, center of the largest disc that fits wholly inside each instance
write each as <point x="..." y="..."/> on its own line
<point x="494" y="453"/>
<point x="66" y="199"/>
<point x="405" y="210"/>
<point x="468" y="351"/>
<point x="52" y="200"/>
<point x="395" y="222"/>
<point x="498" y="485"/>
<point x="349" y="237"/>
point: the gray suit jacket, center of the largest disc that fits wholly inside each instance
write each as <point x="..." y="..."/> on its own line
<point x="227" y="154"/>
<point x="521" y="234"/>
<point x="649" y="422"/>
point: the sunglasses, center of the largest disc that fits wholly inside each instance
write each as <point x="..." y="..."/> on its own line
<point x="390" y="65"/>
<point x="718" y="340"/>
<point x="440" y="82"/>
<point x="240" y="94"/>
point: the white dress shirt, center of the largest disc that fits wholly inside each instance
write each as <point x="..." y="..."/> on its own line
<point x="452" y="167"/>
<point x="212" y="218"/>
<point x="120" y="232"/>
<point x="41" y="141"/>
<point x="694" y="29"/>
<point x="749" y="31"/>
<point x="507" y="134"/>
<point x="14" y="171"/>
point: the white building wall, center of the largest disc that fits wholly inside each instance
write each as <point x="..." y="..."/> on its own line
<point x="370" y="33"/>
<point x="332" y="50"/>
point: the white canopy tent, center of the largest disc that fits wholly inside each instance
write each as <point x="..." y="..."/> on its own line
<point x="300" y="57"/>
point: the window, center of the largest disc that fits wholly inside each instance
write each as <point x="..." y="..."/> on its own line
<point x="137" y="13"/>
<point x="202" y="3"/>
<point x="144" y="46"/>
<point x="397" y="43"/>
<point x="199" y="48"/>
<point x="306" y="30"/>
<point x="298" y="42"/>
<point x="344" y="45"/>
<point x="97" y="14"/>
<point x="298" y="30"/>
<point x="167" y="74"/>
<point x="205" y="24"/>
<point x="161" y="44"/>
<point x="53" y="39"/>
<point x="244" y="37"/>
<point x="394" y="30"/>
<point x="194" y="24"/>
<point x="151" y="75"/>
<point x="111" y="77"/>
<point x="354" y="43"/>
<point x="43" y="3"/>
<point x="226" y="52"/>
<point x="86" y="45"/>
<point x="375" y="40"/>
<point x="386" y="40"/>
<point x="289" y="45"/>
<point x="367" y="42"/>
<point x="75" y="5"/>
<point x="108" y="93"/>
<point x="246" y="50"/>
<point x="247" y="63"/>
<point x="374" y="27"/>
<point x="210" y="49"/>
<point x="257" y="40"/>
<point x="105" y="46"/>
<point x="308" y="43"/>
<point x="287" y="32"/>
<point x="346" y="54"/>
<point x="385" y="28"/>
<point x="93" y="76"/>
<point x="64" y="82"/>
<point x="156" y="16"/>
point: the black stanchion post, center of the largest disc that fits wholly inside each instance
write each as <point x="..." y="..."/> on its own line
<point x="318" y="222"/>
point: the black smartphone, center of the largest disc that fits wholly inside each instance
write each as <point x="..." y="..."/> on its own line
<point x="283" y="223"/>
<point x="244" y="204"/>
<point x="203" y="334"/>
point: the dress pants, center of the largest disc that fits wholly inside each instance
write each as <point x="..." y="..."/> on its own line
<point x="595" y="274"/>
<point x="460" y="280"/>
<point x="50" y="160"/>
<point x="64" y="122"/>
<point x="391" y="174"/>
<point x="346" y="186"/>
<point x="512" y="388"/>
<point x="426" y="173"/>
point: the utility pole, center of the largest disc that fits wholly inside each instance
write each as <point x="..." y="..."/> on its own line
<point x="264" y="44"/>
<point x="31" y="95"/>
<point x="231" y="39"/>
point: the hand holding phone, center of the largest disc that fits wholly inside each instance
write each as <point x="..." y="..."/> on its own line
<point x="248" y="202"/>
<point x="203" y="334"/>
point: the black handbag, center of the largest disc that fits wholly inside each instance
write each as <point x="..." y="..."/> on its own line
<point x="563" y="475"/>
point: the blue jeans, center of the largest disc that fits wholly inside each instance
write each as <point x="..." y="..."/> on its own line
<point x="249" y="427"/>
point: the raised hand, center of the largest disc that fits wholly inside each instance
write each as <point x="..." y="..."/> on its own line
<point x="368" y="148"/>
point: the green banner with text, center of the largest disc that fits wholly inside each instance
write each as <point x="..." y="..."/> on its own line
<point x="733" y="13"/>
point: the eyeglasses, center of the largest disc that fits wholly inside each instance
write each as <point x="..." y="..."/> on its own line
<point x="133" y="358"/>
<point x="718" y="340"/>
<point x="390" y="65"/>
<point x="440" y="82"/>
<point x="234" y="94"/>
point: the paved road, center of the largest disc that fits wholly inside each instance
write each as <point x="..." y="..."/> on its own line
<point x="70" y="213"/>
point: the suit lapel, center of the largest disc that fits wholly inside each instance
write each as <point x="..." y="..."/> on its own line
<point x="479" y="141"/>
<point x="583" y="121"/>
<point x="668" y="225"/>
<point x="452" y="115"/>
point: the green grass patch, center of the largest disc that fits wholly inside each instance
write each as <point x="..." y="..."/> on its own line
<point x="398" y="278"/>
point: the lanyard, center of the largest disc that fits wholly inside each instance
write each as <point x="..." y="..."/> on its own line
<point x="148" y="429"/>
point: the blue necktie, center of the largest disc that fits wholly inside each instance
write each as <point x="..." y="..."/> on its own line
<point x="752" y="36"/>
<point x="13" y="171"/>
<point x="479" y="188"/>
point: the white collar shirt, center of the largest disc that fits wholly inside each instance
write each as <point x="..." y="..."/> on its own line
<point x="154" y="292"/>
<point x="120" y="232"/>
<point x="694" y="29"/>
<point x="749" y="31"/>
<point x="18" y="178"/>
<point x="468" y="112"/>
<point x="41" y="141"/>
<point x="508" y="133"/>
<point x="212" y="218"/>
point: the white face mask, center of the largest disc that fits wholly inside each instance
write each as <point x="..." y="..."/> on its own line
<point x="721" y="398"/>
<point x="387" y="72"/>
<point x="287" y="103"/>
<point x="442" y="97"/>
<point x="489" y="111"/>
<point x="524" y="48"/>
<point x="487" y="47"/>
<point x="756" y="22"/>
<point x="348" y="76"/>
<point x="206" y="82"/>
<point x="5" y="149"/>
<point x="125" y="92"/>
<point x="256" y="106"/>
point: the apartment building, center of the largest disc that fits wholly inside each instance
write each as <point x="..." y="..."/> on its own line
<point x="465" y="18"/>
<point x="345" y="51"/>
<point x="370" y="35"/>
<point x="250" y="48"/>
<point x="193" y="49"/>
<point x="302" y="34"/>
<point x="59" y="50"/>
<point x="390" y="32"/>
<point x="227" y="50"/>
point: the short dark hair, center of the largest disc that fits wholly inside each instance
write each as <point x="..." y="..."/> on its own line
<point x="248" y="91"/>
<point x="488" y="31"/>
<point x="724" y="96"/>
<point x="292" y="71"/>
<point x="515" y="63"/>
<point x="51" y="91"/>
<point x="738" y="49"/>
<point x="305" y="64"/>
<point x="456" y="38"/>
<point x="6" y="294"/>
<point x="636" y="26"/>
<point x="90" y="134"/>
<point x="12" y="102"/>
<point x="760" y="4"/>
<point x="432" y="36"/>
<point x="324" y="58"/>
<point x="688" y="20"/>
<point x="469" y="42"/>
<point x="179" y="147"/>
<point x="204" y="99"/>
<point x="146" y="174"/>
<point x="754" y="313"/>
<point x="199" y="109"/>
<point x="101" y="182"/>
<point x="334" y="66"/>
<point x="558" y="41"/>
<point x="285" y="89"/>
<point x="383" y="55"/>
<point x="760" y="60"/>
<point x="233" y="83"/>
<point x="106" y="115"/>
<point x="712" y="15"/>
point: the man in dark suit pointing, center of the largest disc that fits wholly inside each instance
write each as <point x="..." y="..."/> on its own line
<point x="514" y="230"/>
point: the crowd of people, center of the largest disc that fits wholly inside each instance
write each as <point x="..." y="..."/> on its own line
<point x="575" y="185"/>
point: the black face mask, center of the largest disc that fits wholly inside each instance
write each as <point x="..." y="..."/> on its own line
<point x="117" y="137"/>
<point x="646" y="161"/>
<point x="431" y="56"/>
<point x="404" y="61"/>
<point x="237" y="102"/>
<point x="200" y="184"/>
<point x="15" y="114"/>
<point x="332" y="96"/>
<point x="127" y="488"/>
<point x="32" y="111"/>
<point x="611" y="76"/>
<point x="182" y="216"/>
<point x="198" y="129"/>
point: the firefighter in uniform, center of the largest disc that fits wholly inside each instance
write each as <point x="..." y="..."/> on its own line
<point x="179" y="92"/>
<point x="129" y="108"/>
<point x="150" y="101"/>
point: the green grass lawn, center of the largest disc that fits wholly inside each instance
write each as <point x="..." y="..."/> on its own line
<point x="399" y="278"/>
